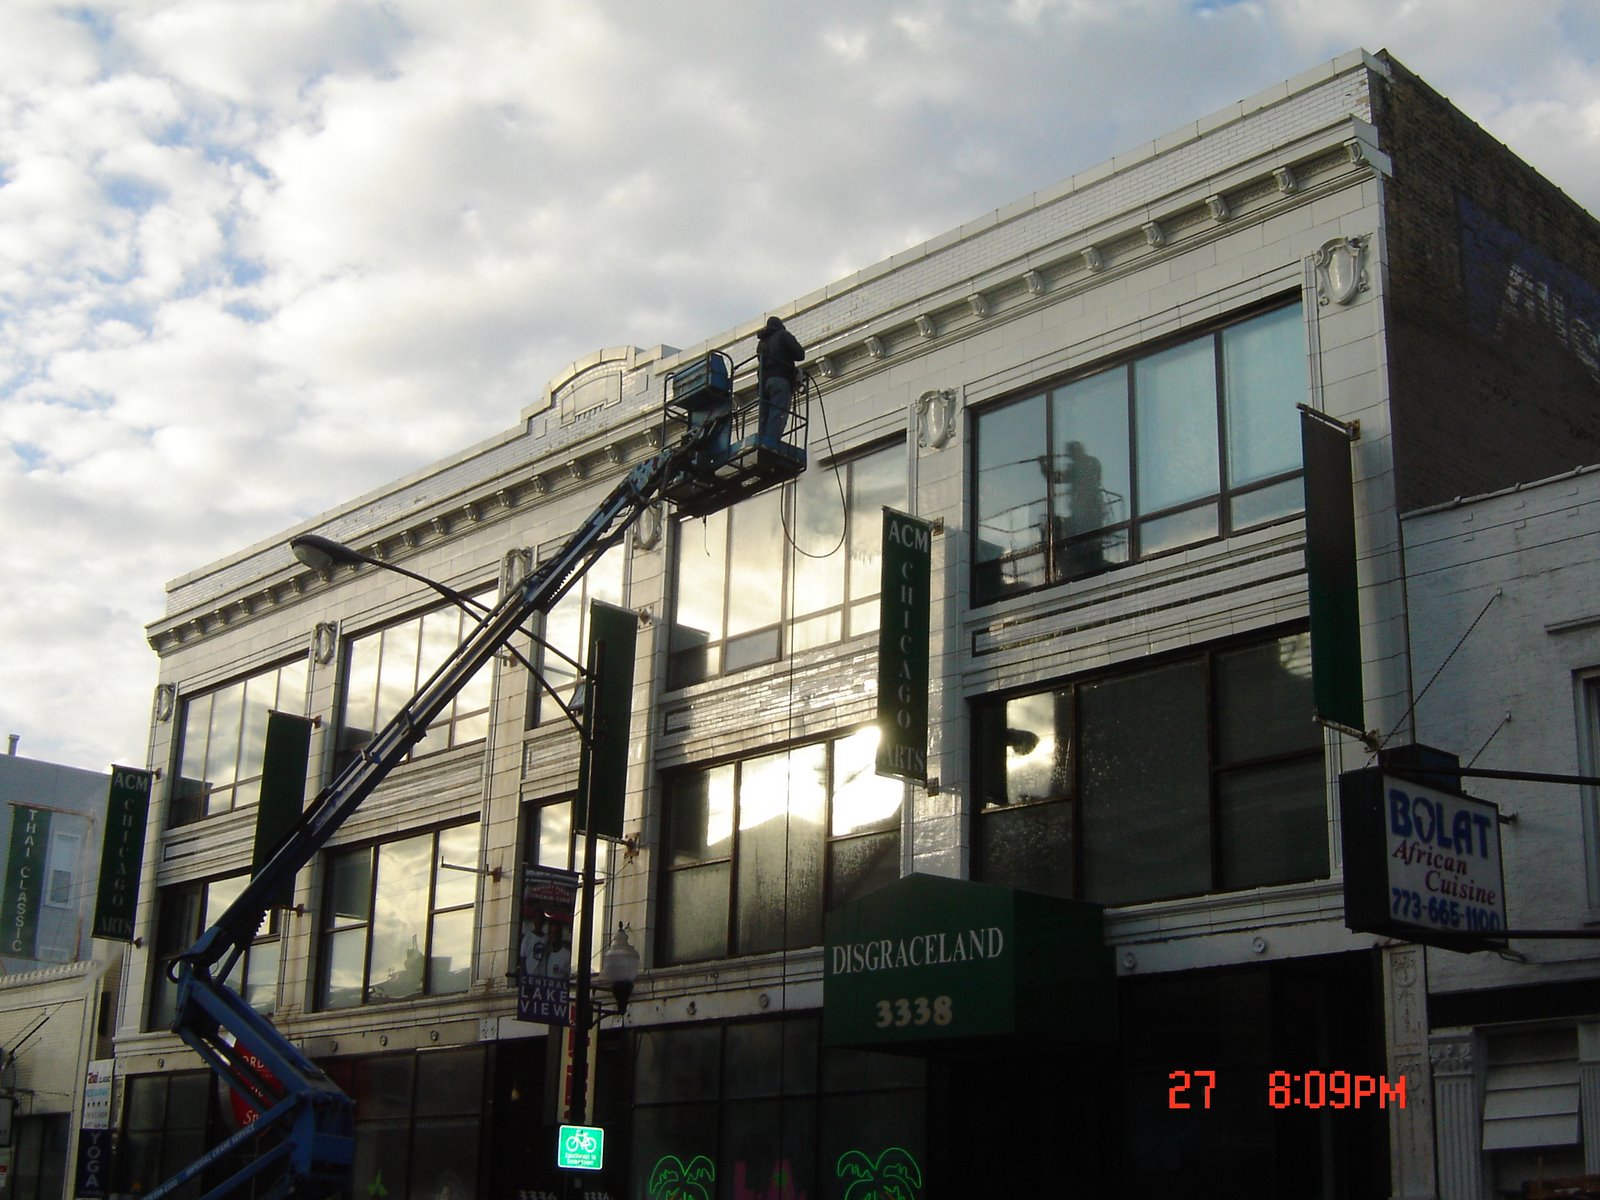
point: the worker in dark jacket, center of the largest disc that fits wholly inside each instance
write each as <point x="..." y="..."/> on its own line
<point x="777" y="353"/>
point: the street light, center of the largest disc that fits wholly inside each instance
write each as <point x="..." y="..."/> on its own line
<point x="619" y="970"/>
<point x="620" y="960"/>
<point x="322" y="554"/>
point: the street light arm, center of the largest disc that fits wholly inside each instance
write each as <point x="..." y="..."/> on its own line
<point x="322" y="554"/>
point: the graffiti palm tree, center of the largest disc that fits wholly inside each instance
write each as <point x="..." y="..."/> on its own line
<point x="894" y="1176"/>
<point x="671" y="1180"/>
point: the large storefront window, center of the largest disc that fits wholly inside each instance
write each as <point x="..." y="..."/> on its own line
<point x="184" y="912"/>
<point x="759" y="849"/>
<point x="222" y="738"/>
<point x="398" y="919"/>
<point x="384" y="669"/>
<point x="1171" y="448"/>
<point x="419" y="1123"/>
<point x="1199" y="774"/>
<point x="39" y="1158"/>
<point x="791" y="555"/>
<point x="168" y="1121"/>
<point x="760" y="1109"/>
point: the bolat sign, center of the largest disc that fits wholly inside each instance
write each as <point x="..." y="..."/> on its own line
<point x="1421" y="862"/>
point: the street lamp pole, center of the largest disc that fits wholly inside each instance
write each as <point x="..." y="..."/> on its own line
<point x="621" y="966"/>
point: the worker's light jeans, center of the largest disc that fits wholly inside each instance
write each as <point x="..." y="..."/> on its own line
<point x="776" y="396"/>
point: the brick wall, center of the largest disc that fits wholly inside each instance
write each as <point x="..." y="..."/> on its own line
<point x="1494" y="306"/>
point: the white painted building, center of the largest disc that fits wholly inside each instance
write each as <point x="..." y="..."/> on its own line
<point x="1506" y="649"/>
<point x="58" y="985"/>
<point x="1092" y="395"/>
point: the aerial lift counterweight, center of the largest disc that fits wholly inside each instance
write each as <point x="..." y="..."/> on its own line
<point x="307" y="1133"/>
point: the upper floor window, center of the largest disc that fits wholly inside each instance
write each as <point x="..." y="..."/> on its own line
<point x="1202" y="773"/>
<point x="759" y="849"/>
<point x="398" y="919"/>
<point x="566" y="628"/>
<point x="386" y="667"/>
<point x="798" y="556"/>
<point x="1189" y="443"/>
<point x="183" y="912"/>
<point x="223" y="737"/>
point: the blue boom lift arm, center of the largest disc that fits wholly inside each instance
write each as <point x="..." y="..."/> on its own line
<point x="305" y="1121"/>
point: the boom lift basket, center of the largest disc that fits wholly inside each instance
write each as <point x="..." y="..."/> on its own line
<point x="737" y="461"/>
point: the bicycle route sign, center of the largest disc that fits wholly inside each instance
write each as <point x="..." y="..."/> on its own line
<point x="581" y="1148"/>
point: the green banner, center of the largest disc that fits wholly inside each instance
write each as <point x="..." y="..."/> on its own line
<point x="283" y="792"/>
<point x="608" y="717"/>
<point x="19" y="908"/>
<point x="122" y="854"/>
<point x="903" y="646"/>
<point x="1331" y="573"/>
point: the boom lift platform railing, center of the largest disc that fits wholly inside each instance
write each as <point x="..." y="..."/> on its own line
<point x="739" y="460"/>
<point x="713" y="458"/>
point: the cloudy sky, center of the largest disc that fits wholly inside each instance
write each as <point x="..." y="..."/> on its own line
<point x="257" y="258"/>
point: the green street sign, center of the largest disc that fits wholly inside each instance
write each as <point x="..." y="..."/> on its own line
<point x="581" y="1148"/>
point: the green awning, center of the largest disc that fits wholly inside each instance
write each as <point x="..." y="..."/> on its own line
<point x="929" y="963"/>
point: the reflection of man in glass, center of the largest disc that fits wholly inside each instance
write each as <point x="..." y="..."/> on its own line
<point x="1087" y="511"/>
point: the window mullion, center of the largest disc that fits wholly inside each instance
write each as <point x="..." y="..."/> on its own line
<point x="374" y="862"/>
<point x="1135" y="502"/>
<point x="431" y="911"/>
<point x="731" y="938"/>
<point x="1224" y="467"/>
<point x="1213" y="796"/>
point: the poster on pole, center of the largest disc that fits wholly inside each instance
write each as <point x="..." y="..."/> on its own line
<point x="92" y="1171"/>
<point x="544" y="944"/>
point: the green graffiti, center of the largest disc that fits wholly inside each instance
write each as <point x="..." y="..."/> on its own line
<point x="671" y="1180"/>
<point x="894" y="1176"/>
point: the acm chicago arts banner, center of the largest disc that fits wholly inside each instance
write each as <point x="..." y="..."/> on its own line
<point x="544" y="946"/>
<point x="903" y="647"/>
<point x="19" y="906"/>
<point x="122" y="853"/>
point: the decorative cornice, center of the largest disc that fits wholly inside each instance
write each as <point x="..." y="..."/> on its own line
<point x="1043" y="280"/>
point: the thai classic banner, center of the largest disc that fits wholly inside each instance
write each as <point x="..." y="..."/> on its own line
<point x="19" y="907"/>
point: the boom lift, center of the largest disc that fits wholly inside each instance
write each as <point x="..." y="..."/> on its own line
<point x="306" y="1124"/>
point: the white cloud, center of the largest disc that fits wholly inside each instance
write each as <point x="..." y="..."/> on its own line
<point x="256" y="259"/>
